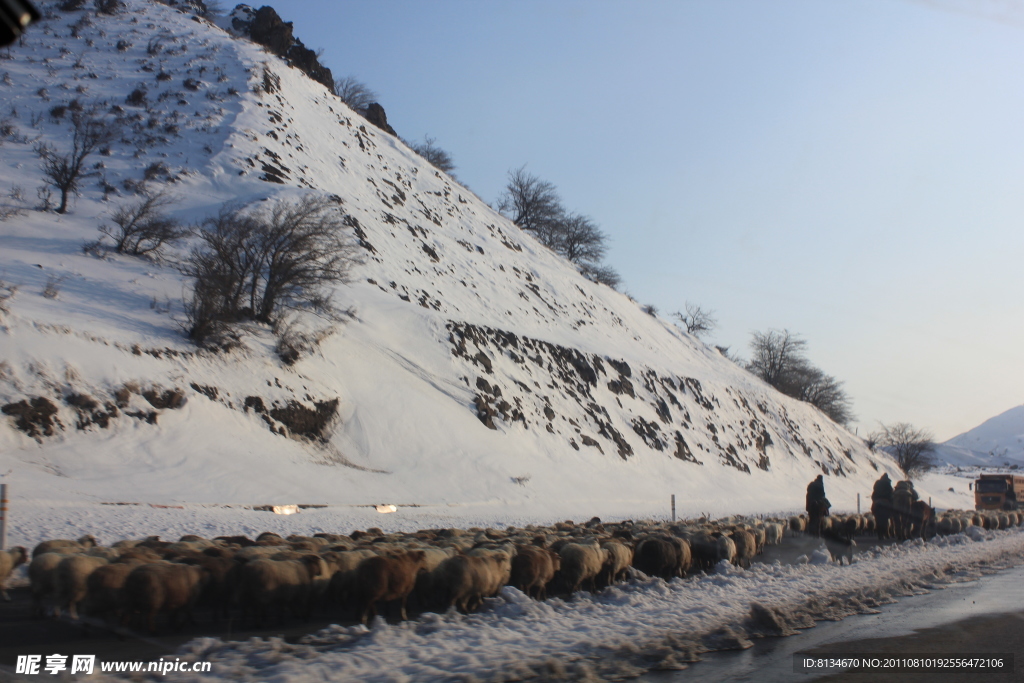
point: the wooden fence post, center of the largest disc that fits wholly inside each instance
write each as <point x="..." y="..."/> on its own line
<point x="3" y="516"/>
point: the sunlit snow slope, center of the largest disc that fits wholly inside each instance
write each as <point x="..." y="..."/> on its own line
<point x="479" y="368"/>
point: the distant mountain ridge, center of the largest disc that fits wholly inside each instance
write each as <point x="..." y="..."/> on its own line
<point x="996" y="442"/>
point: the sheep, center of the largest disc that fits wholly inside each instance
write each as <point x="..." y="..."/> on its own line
<point x="71" y="576"/>
<point x="502" y="556"/>
<point x="760" y="536"/>
<point x="746" y="547"/>
<point x="798" y="523"/>
<point x="581" y="563"/>
<point x="223" y="574"/>
<point x="532" y="569"/>
<point x="616" y="568"/>
<point x="62" y="545"/>
<point x="9" y="560"/>
<point x="339" y="591"/>
<point x="163" y="587"/>
<point x="667" y="557"/>
<point x="772" y="533"/>
<point x="463" y="580"/>
<point x="104" y="588"/>
<point x="726" y="549"/>
<point x="42" y="576"/>
<point x="424" y="591"/>
<point x="385" y="579"/>
<point x="279" y="584"/>
<point x="703" y="549"/>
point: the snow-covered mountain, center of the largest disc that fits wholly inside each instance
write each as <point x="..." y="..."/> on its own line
<point x="478" y="368"/>
<point x="996" y="442"/>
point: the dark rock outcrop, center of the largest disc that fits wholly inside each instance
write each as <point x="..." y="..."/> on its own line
<point x="375" y="114"/>
<point x="265" y="27"/>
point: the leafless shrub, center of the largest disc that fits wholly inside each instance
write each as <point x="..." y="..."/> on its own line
<point x="522" y="481"/>
<point x="293" y="342"/>
<point x="650" y="309"/>
<point x="696" y="320"/>
<point x="142" y="227"/>
<point x="7" y="293"/>
<point x="256" y="263"/>
<point x="123" y="45"/>
<point x="437" y="157"/>
<point x="65" y="171"/>
<point x="109" y="7"/>
<point x="353" y="92"/>
<point x="910" y="447"/>
<point x="778" y="359"/>
<point x="45" y="195"/>
<point x="52" y="288"/>
<point x="137" y="97"/>
<point x="601" y="273"/>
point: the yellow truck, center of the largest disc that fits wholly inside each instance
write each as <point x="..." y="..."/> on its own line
<point x="999" y="492"/>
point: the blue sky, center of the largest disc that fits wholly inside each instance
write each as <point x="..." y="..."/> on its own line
<point x="849" y="171"/>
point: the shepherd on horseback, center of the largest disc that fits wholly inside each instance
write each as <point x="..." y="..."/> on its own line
<point x="817" y="505"/>
<point x="881" y="505"/>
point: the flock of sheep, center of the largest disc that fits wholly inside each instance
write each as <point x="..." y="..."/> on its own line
<point x="136" y="581"/>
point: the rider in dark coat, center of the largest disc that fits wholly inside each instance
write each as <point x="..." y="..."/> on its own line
<point x="816" y="493"/>
<point x="883" y="489"/>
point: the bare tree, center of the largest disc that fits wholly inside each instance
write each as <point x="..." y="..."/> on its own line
<point x="66" y="171"/>
<point x="532" y="204"/>
<point x="601" y="273"/>
<point x="353" y="92"/>
<point x="778" y="359"/>
<point x="578" y="239"/>
<point x="775" y="354"/>
<point x="822" y="391"/>
<point x="142" y="227"/>
<point x="256" y="263"/>
<point x="437" y="157"/>
<point x="910" y="447"/>
<point x="697" y="320"/>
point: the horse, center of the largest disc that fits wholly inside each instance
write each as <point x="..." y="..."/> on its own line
<point x="922" y="520"/>
<point x="881" y="508"/>
<point x="902" y="501"/>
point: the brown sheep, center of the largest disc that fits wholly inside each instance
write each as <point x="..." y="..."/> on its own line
<point x="42" y="576"/>
<point x="663" y="556"/>
<point x="581" y="563"/>
<point x="223" y="574"/>
<point x="424" y="591"/>
<point x="71" y="576"/>
<point x="163" y="588"/>
<point x="9" y="560"/>
<point x="746" y="547"/>
<point x="532" y="569"/>
<point x="104" y="589"/>
<point x="463" y="580"/>
<point x="620" y="559"/>
<point x="704" y="550"/>
<point x="339" y="591"/>
<point x="65" y="546"/>
<point x="383" y="579"/>
<point x="277" y="584"/>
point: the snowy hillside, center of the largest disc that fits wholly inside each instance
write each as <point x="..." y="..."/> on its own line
<point x="478" y="367"/>
<point x="997" y="442"/>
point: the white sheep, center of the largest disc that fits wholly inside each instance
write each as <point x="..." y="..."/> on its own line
<point x="9" y="560"/>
